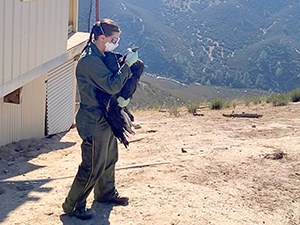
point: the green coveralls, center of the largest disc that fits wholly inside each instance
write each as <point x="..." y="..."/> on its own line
<point x="99" y="145"/>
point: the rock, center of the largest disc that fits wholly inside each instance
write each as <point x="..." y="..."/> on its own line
<point x="151" y="131"/>
<point x="10" y="163"/>
<point x="183" y="150"/>
<point x="24" y="186"/>
<point x="198" y="114"/>
<point x="137" y="126"/>
<point x="2" y="191"/>
<point x="275" y="156"/>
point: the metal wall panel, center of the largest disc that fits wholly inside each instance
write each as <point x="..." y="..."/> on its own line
<point x="7" y="36"/>
<point x="17" y="39"/>
<point x="60" y="98"/>
<point x="27" y="119"/>
<point x="1" y="42"/>
<point x="31" y="33"/>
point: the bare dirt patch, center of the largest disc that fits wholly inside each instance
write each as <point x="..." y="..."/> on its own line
<point x="219" y="171"/>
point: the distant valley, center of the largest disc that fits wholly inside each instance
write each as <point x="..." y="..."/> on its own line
<point x="252" y="44"/>
<point x="155" y="91"/>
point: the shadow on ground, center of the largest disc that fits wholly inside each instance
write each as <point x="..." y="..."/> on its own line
<point x="14" y="161"/>
<point x="101" y="218"/>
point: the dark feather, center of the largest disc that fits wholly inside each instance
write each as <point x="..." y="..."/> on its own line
<point x="117" y="117"/>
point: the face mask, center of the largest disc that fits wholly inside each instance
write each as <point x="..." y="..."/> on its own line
<point x="109" y="47"/>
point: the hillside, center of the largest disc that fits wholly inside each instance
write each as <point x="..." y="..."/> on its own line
<point x="155" y="91"/>
<point x="236" y="43"/>
<point x="218" y="170"/>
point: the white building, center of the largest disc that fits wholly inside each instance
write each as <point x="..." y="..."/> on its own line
<point x="38" y="43"/>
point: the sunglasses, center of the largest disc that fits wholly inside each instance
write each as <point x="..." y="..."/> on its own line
<point x="114" y="40"/>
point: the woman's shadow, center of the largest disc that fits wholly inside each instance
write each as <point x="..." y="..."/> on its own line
<point x="101" y="216"/>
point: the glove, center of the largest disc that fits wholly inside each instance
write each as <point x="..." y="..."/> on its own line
<point x="122" y="102"/>
<point x="131" y="57"/>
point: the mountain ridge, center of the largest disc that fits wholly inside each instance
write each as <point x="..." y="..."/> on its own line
<point x="239" y="44"/>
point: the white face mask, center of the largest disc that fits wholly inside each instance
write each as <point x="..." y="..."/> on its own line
<point x="109" y="47"/>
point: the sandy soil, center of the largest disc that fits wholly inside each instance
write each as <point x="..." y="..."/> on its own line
<point x="219" y="171"/>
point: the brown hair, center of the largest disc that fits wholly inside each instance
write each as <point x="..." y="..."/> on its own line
<point x="109" y="26"/>
<point x="104" y="27"/>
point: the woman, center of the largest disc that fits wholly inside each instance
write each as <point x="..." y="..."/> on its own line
<point x="99" y="145"/>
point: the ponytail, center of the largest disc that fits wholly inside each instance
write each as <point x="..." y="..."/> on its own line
<point x="90" y="38"/>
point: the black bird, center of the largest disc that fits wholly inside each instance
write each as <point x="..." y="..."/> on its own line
<point x="119" y="118"/>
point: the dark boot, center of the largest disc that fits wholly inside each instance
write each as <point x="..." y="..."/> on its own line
<point x="83" y="213"/>
<point x="117" y="200"/>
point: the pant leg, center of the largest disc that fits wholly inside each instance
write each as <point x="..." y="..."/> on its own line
<point x="105" y="186"/>
<point x="94" y="160"/>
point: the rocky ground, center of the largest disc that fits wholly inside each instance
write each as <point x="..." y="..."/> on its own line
<point x="217" y="170"/>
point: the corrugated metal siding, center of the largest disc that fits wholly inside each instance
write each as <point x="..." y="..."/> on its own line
<point x="25" y="120"/>
<point x="1" y="42"/>
<point x="61" y="98"/>
<point x="27" y="29"/>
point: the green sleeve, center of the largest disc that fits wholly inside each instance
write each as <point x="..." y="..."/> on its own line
<point x="101" y="77"/>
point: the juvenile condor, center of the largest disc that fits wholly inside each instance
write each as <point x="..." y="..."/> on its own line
<point x="119" y="118"/>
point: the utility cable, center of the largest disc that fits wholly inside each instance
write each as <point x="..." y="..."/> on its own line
<point x="90" y="15"/>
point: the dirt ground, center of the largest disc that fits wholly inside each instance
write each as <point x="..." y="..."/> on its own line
<point x="218" y="171"/>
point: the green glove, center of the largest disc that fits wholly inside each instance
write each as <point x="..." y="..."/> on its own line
<point x="122" y="102"/>
<point x="131" y="57"/>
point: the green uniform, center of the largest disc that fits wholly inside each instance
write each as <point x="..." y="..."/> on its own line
<point x="99" y="146"/>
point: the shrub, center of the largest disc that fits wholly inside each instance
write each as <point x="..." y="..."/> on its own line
<point x="295" y="95"/>
<point x="217" y="104"/>
<point x="279" y="99"/>
<point x="192" y="107"/>
<point x="255" y="100"/>
<point x="247" y="101"/>
<point x="234" y="104"/>
<point x="175" y="111"/>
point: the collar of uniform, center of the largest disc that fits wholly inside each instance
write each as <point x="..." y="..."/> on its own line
<point x="96" y="51"/>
